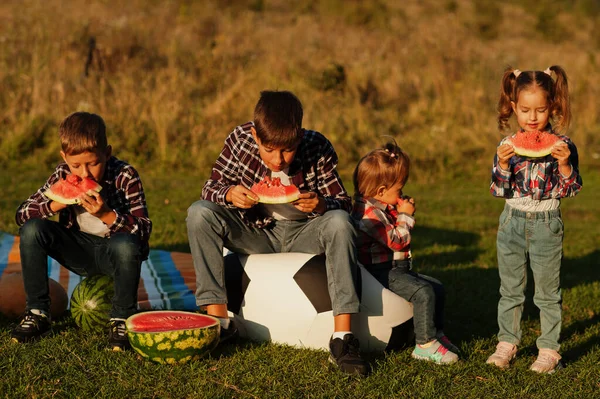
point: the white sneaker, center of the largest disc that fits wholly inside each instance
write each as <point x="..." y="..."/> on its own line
<point x="505" y="353"/>
<point x="546" y="362"/>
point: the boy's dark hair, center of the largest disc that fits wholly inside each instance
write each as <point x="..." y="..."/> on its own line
<point x="278" y="118"/>
<point x="82" y="132"/>
<point x="381" y="167"/>
<point x="557" y="94"/>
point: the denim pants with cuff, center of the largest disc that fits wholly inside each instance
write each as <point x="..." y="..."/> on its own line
<point x="84" y="254"/>
<point x="212" y="227"/>
<point x="425" y="293"/>
<point x="533" y="238"/>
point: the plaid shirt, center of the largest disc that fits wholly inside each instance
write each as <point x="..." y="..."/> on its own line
<point x="121" y="189"/>
<point x="313" y="169"/>
<point x="382" y="231"/>
<point x="537" y="178"/>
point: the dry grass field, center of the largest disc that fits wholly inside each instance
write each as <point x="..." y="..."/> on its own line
<point x="172" y="78"/>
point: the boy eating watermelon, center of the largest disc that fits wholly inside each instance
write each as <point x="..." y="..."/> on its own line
<point x="229" y="215"/>
<point x="105" y="232"/>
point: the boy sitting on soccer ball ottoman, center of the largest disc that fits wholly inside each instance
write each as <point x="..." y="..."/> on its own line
<point x="229" y="215"/>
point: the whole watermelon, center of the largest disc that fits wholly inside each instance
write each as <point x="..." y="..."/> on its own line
<point x="91" y="302"/>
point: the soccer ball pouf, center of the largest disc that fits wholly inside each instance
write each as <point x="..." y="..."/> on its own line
<point x="283" y="298"/>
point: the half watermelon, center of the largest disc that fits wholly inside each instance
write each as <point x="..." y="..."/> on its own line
<point x="172" y="336"/>
<point x="533" y="144"/>
<point x="66" y="191"/>
<point x="272" y="191"/>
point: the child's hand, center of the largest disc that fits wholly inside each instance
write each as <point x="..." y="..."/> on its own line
<point x="241" y="197"/>
<point x="561" y="152"/>
<point x="93" y="203"/>
<point x="57" y="206"/>
<point x="505" y="152"/>
<point x="406" y="205"/>
<point x="310" y="202"/>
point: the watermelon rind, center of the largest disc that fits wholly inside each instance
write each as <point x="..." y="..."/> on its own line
<point x="62" y="200"/>
<point x="533" y="144"/>
<point x="284" y="199"/>
<point x="91" y="302"/>
<point x="174" y="346"/>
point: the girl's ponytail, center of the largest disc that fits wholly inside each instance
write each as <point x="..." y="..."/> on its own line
<point x="506" y="92"/>
<point x="561" y="108"/>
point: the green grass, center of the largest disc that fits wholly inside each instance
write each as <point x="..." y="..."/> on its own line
<point x="454" y="241"/>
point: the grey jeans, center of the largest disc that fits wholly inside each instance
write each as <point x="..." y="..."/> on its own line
<point x="426" y="293"/>
<point x="533" y="238"/>
<point x="212" y="227"/>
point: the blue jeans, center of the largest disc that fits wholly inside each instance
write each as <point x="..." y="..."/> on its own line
<point x="212" y="227"/>
<point x="533" y="238"/>
<point x="425" y="293"/>
<point x="84" y="254"/>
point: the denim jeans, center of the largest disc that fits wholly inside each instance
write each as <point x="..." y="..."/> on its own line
<point x="212" y="227"/>
<point x="425" y="293"/>
<point x="533" y="238"/>
<point x="84" y="254"/>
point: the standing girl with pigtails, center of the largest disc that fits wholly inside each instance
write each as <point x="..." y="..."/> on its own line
<point x="530" y="227"/>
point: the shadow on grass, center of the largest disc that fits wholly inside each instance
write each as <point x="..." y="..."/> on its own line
<point x="464" y="246"/>
<point x="576" y="271"/>
<point x="472" y="293"/>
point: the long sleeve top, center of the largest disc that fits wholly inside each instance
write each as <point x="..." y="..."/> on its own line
<point x="121" y="190"/>
<point x="537" y="178"/>
<point x="314" y="168"/>
<point x="383" y="233"/>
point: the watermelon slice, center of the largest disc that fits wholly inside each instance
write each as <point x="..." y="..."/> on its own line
<point x="272" y="191"/>
<point x="172" y="336"/>
<point x="533" y="144"/>
<point x="67" y="190"/>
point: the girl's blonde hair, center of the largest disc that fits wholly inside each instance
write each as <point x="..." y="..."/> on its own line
<point x="557" y="94"/>
<point x="381" y="167"/>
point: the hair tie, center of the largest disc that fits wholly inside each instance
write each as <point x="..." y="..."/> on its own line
<point x="516" y="72"/>
<point x="392" y="154"/>
<point x="548" y="72"/>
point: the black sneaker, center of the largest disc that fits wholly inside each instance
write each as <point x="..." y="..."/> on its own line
<point x="117" y="335"/>
<point x="229" y="334"/>
<point x="345" y="354"/>
<point x="31" y="327"/>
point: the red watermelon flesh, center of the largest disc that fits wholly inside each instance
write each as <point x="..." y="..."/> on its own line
<point x="168" y="321"/>
<point x="273" y="191"/>
<point x="66" y="191"/>
<point x="533" y="144"/>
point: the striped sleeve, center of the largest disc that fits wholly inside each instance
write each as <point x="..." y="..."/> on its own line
<point x="224" y="172"/>
<point x="134" y="219"/>
<point x="329" y="182"/>
<point x="37" y="206"/>
<point x="395" y="236"/>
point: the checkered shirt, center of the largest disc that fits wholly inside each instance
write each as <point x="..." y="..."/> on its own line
<point x="313" y="169"/>
<point x="121" y="190"/>
<point x="537" y="178"/>
<point x="382" y="231"/>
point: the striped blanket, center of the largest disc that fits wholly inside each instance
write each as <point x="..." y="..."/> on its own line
<point x="167" y="278"/>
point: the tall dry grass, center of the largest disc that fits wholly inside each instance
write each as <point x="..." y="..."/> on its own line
<point x="172" y="78"/>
